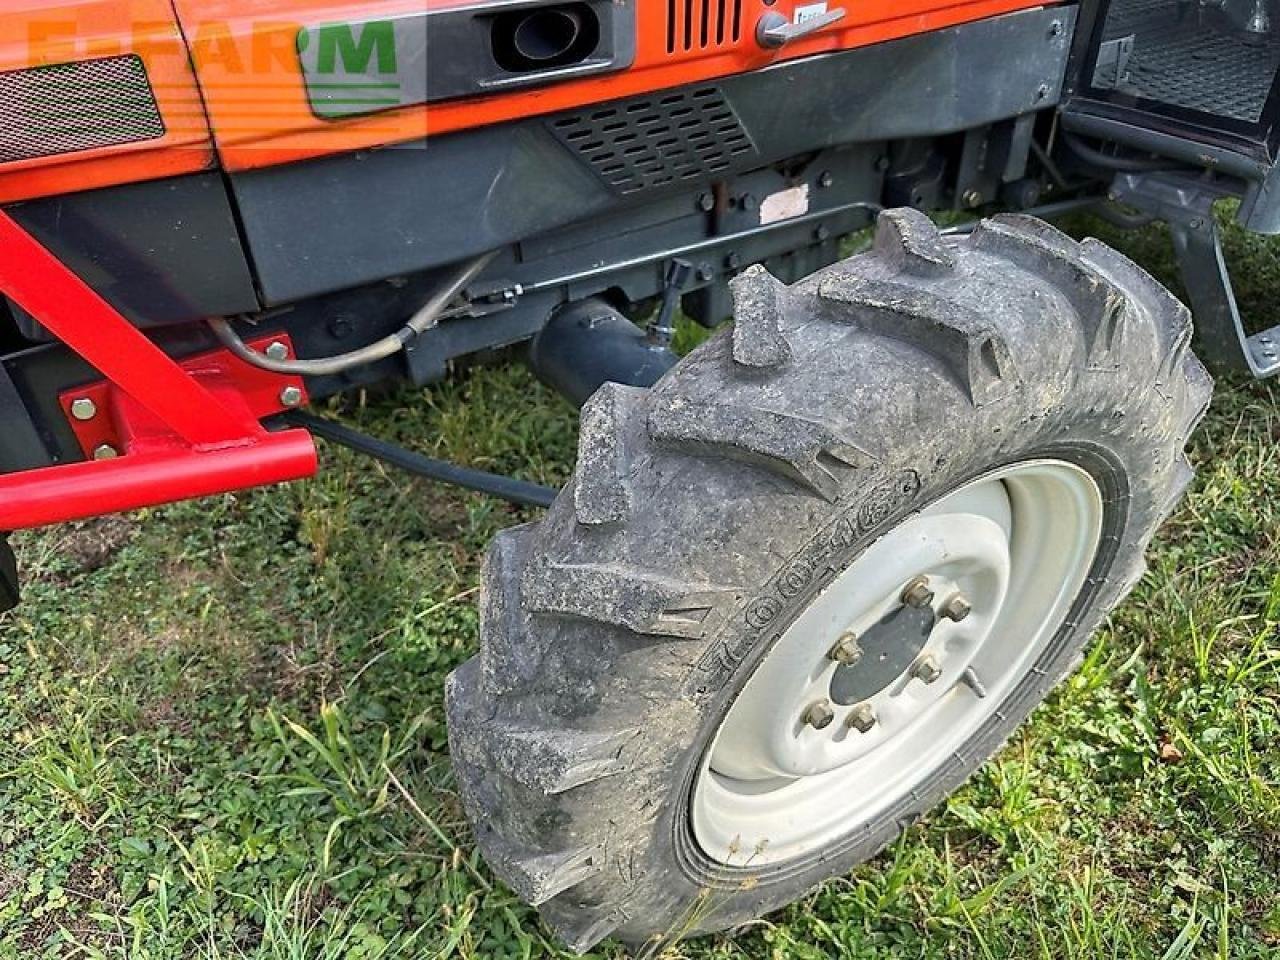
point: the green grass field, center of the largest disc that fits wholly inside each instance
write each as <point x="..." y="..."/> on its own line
<point x="222" y="733"/>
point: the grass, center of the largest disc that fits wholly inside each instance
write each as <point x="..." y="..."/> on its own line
<point x="222" y="733"/>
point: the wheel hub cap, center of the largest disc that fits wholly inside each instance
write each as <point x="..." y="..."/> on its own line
<point x="888" y="649"/>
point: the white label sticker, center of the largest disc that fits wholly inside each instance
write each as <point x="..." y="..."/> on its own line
<point x="808" y="12"/>
<point x="785" y="204"/>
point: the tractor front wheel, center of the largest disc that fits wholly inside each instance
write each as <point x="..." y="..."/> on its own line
<point x="801" y="588"/>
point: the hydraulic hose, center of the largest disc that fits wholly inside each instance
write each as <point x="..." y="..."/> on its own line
<point x="1110" y="162"/>
<point x="422" y="320"/>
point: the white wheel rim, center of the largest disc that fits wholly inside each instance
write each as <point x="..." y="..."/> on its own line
<point x="1017" y="544"/>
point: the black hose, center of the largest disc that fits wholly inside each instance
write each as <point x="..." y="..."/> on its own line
<point x="495" y="485"/>
<point x="1111" y="162"/>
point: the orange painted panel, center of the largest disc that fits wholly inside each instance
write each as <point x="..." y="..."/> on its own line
<point x="44" y="32"/>
<point x="244" y="52"/>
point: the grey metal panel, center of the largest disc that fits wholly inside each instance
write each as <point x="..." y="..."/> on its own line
<point x="20" y="445"/>
<point x="935" y="83"/>
<point x="334" y="223"/>
<point x="341" y="221"/>
<point x="162" y="251"/>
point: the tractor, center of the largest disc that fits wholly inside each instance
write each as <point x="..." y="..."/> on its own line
<point x="806" y="578"/>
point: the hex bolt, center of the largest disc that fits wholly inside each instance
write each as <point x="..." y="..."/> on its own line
<point x="825" y="179"/>
<point x="861" y="718"/>
<point x="706" y="202"/>
<point x="290" y="396"/>
<point x="105" y="451"/>
<point x="819" y="715"/>
<point x="957" y="608"/>
<point x="971" y="198"/>
<point x="846" y="651"/>
<point x="82" y="408"/>
<point x="917" y="593"/>
<point x="927" y="668"/>
<point x="277" y="350"/>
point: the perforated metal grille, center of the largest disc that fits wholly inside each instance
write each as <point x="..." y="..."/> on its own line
<point x="699" y="24"/>
<point x="76" y="106"/>
<point x="658" y="141"/>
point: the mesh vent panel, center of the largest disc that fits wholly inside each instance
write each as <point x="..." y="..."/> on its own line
<point x="76" y="106"/>
<point x="658" y="141"/>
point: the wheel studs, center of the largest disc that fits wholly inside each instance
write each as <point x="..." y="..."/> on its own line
<point x="917" y="593"/>
<point x="846" y="651"/>
<point x="819" y="715"/>
<point x="927" y="668"/>
<point x="957" y="608"/>
<point x="862" y="718"/>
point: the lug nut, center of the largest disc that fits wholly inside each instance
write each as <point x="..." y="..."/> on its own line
<point x="277" y="350"/>
<point x="861" y="718"/>
<point x="927" y="668"/>
<point x="105" y="451"/>
<point x="957" y="608"/>
<point x="290" y="396"/>
<point x="846" y="651"/>
<point x="82" y="408"/>
<point x="917" y="593"/>
<point x="819" y="715"/>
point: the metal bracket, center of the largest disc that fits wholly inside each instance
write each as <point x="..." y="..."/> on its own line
<point x="178" y="434"/>
<point x="1186" y="204"/>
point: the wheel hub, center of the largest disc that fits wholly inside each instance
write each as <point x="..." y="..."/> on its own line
<point x="889" y="649"/>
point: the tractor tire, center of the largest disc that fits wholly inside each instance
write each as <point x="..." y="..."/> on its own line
<point x="799" y="590"/>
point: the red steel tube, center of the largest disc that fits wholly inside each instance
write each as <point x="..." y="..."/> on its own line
<point x="35" y="498"/>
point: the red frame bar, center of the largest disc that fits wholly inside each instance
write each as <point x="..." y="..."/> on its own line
<point x="186" y="430"/>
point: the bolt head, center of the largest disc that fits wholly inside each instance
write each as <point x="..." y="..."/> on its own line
<point x="105" y="451"/>
<point x="927" y="669"/>
<point x="917" y="593"/>
<point x="971" y="199"/>
<point x="825" y="179"/>
<point x="290" y="396"/>
<point x="861" y="718"/>
<point x="82" y="408"/>
<point x="846" y="651"/>
<point x="706" y="202"/>
<point x="277" y="350"/>
<point x="819" y="715"/>
<point x="957" y="608"/>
